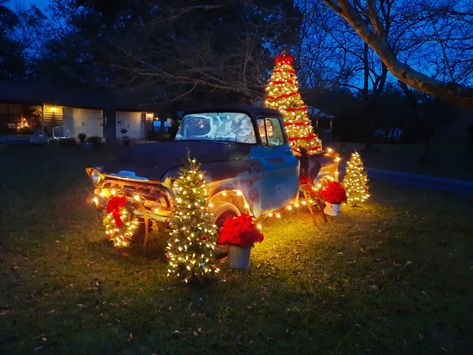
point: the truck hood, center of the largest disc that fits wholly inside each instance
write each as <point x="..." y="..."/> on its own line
<point x="153" y="160"/>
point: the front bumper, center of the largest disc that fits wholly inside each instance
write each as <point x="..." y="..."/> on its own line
<point x="151" y="199"/>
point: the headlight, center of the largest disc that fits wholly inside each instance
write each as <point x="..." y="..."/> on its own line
<point x="94" y="175"/>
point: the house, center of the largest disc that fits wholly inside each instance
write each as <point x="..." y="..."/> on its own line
<point x="322" y="122"/>
<point x="57" y="111"/>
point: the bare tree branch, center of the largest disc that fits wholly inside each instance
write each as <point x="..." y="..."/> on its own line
<point x="378" y="41"/>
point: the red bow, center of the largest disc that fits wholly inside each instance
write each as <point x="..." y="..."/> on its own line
<point x="284" y="58"/>
<point x="113" y="207"/>
<point x="306" y="182"/>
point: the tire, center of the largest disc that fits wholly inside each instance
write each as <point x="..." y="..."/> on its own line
<point x="323" y="180"/>
<point x="224" y="211"/>
<point x="221" y="213"/>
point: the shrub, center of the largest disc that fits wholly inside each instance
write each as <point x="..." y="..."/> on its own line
<point x="95" y="140"/>
<point x="69" y="142"/>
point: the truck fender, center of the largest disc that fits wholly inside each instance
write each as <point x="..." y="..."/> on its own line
<point x="223" y="210"/>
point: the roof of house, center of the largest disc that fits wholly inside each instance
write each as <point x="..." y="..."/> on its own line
<point x="37" y="94"/>
<point x="313" y="111"/>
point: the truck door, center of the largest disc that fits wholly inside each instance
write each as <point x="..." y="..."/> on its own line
<point x="280" y="182"/>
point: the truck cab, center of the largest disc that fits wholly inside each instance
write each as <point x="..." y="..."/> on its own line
<point x="269" y="178"/>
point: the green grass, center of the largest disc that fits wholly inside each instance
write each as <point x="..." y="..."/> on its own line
<point x="391" y="277"/>
<point x="449" y="160"/>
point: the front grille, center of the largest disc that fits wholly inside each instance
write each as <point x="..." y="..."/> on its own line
<point x="152" y="194"/>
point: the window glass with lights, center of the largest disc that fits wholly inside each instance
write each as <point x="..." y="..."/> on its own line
<point x="270" y="131"/>
<point x="220" y="126"/>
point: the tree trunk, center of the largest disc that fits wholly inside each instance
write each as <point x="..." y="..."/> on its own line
<point x="425" y="126"/>
<point x="369" y="120"/>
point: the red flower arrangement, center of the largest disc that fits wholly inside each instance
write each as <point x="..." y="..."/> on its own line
<point x="333" y="193"/>
<point x="240" y="231"/>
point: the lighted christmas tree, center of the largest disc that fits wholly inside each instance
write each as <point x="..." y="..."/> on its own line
<point x="193" y="235"/>
<point x="282" y="93"/>
<point x="356" y="180"/>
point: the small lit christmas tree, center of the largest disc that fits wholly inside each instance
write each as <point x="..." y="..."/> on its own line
<point x="193" y="235"/>
<point x="356" y="180"/>
<point x="282" y="93"/>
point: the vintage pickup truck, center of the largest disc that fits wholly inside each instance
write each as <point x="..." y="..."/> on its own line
<point x="243" y="151"/>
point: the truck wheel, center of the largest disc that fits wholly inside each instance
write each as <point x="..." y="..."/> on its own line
<point x="221" y="213"/>
<point x="323" y="180"/>
<point x="224" y="211"/>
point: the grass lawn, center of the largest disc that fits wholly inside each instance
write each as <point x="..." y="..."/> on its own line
<point x="394" y="276"/>
<point x="449" y="160"/>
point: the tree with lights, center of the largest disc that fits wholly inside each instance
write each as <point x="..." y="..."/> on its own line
<point x="282" y="93"/>
<point x="356" y="180"/>
<point x="193" y="235"/>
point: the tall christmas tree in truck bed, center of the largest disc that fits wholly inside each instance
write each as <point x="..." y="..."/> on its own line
<point x="282" y="93"/>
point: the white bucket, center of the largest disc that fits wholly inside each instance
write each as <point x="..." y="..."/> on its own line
<point x="332" y="209"/>
<point x="238" y="257"/>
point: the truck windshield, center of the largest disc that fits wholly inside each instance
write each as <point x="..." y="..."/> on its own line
<point x="217" y="126"/>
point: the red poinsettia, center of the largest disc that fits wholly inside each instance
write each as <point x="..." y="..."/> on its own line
<point x="240" y="231"/>
<point x="334" y="193"/>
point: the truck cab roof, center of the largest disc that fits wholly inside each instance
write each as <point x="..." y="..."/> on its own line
<point x="252" y="111"/>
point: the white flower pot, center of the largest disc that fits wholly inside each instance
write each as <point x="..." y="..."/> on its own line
<point x="332" y="209"/>
<point x="238" y="257"/>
